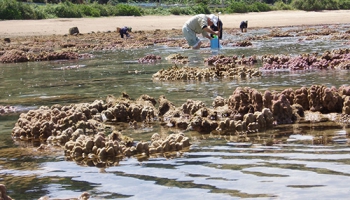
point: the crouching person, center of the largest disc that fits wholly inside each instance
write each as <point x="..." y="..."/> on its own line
<point x="243" y="26"/>
<point x="199" y="24"/>
<point x="124" y="31"/>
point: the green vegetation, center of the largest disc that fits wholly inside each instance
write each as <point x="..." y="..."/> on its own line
<point x="127" y="10"/>
<point x="43" y="9"/>
<point x="241" y="7"/>
<point x="11" y="9"/>
<point x="315" y="5"/>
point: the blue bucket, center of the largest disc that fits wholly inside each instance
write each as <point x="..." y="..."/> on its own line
<point x="214" y="43"/>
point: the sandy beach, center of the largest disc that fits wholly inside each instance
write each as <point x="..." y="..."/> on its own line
<point x="11" y="28"/>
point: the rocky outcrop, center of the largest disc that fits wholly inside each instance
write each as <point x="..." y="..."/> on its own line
<point x="335" y="59"/>
<point x="85" y="130"/>
<point x="219" y="67"/>
<point x="15" y="56"/>
<point x="7" y="109"/>
<point x="149" y="59"/>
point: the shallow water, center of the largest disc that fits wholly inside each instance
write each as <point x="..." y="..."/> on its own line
<point x="213" y="168"/>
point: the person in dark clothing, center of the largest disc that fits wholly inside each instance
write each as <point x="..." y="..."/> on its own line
<point x="243" y="26"/>
<point x="124" y="31"/>
<point x="217" y="28"/>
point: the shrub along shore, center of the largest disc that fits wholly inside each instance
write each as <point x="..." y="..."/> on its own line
<point x="47" y="9"/>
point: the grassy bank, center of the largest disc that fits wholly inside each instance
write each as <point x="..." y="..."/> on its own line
<point x="13" y="9"/>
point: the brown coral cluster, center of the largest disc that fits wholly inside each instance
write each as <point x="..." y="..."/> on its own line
<point x="7" y="109"/>
<point x="231" y="60"/>
<point x="244" y="43"/>
<point x="86" y="130"/>
<point x="149" y="59"/>
<point x="15" y="56"/>
<point x="177" y="58"/>
<point x="82" y="129"/>
<point x="224" y="67"/>
<point x="45" y="122"/>
<point x="249" y="110"/>
<point x="335" y="59"/>
<point x="313" y="31"/>
<point x="183" y="73"/>
<point x="103" y="150"/>
<point x="279" y="33"/>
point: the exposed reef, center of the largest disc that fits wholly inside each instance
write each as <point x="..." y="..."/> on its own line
<point x="7" y="109"/>
<point x="76" y="46"/>
<point x="218" y="67"/>
<point x="149" y="59"/>
<point x="177" y="58"/>
<point x="87" y="133"/>
<point x="335" y="59"/>
<point x="71" y="47"/>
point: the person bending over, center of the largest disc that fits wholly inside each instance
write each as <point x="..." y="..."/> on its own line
<point x="217" y="28"/>
<point x="124" y="31"/>
<point x="199" y="24"/>
<point x="243" y="26"/>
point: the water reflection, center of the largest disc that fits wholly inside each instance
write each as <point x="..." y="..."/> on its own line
<point x="214" y="168"/>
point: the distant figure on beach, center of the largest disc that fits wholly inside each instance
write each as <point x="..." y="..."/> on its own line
<point x="124" y="31"/>
<point x="243" y="26"/>
<point x="199" y="24"/>
<point x="217" y="28"/>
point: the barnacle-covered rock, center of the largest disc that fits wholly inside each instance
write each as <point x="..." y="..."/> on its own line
<point x="149" y="59"/>
<point x="177" y="58"/>
<point x="282" y="110"/>
<point x="338" y="58"/>
<point x="173" y="142"/>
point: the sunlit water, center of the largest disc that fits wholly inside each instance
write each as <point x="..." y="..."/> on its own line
<point x="213" y="168"/>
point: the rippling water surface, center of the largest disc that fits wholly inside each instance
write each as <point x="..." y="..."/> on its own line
<point x="213" y="168"/>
